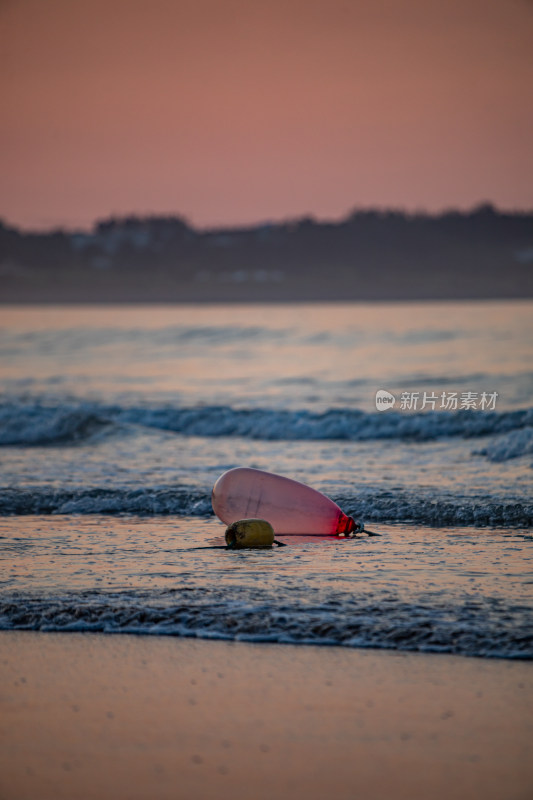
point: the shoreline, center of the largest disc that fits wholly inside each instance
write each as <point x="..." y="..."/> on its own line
<point x="167" y="297"/>
<point x="95" y="715"/>
<point x="258" y="301"/>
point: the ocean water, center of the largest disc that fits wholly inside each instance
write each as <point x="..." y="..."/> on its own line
<point x="116" y="421"/>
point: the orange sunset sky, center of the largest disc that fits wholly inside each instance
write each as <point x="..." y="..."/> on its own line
<point x="239" y="111"/>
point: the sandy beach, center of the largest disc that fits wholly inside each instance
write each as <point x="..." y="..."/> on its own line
<point x="96" y="716"/>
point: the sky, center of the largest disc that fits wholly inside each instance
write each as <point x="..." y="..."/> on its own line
<point x="232" y="112"/>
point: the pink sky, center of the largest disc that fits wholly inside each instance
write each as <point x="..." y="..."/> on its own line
<point x="237" y="111"/>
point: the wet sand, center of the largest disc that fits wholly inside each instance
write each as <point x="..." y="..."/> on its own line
<point x="96" y="716"/>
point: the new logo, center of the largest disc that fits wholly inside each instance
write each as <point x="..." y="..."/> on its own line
<point x="384" y="400"/>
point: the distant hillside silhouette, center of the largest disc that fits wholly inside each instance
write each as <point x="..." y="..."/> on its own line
<point x="370" y="255"/>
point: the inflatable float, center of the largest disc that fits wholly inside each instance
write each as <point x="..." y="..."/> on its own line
<point x="289" y="506"/>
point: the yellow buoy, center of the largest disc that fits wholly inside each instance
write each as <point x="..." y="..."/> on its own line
<point x="250" y="533"/>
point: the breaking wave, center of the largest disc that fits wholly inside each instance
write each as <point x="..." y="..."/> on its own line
<point x="369" y="505"/>
<point x="35" y="423"/>
<point x="512" y="445"/>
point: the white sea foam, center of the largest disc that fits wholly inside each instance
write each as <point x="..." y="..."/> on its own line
<point x="476" y="628"/>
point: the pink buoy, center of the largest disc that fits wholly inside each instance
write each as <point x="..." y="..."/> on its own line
<point x="289" y="506"/>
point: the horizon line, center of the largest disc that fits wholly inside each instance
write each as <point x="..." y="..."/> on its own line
<point x="67" y="228"/>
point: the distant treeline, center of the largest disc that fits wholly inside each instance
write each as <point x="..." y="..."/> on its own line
<point x="370" y="254"/>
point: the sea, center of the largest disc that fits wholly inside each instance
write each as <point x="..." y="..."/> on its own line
<point x="417" y="419"/>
